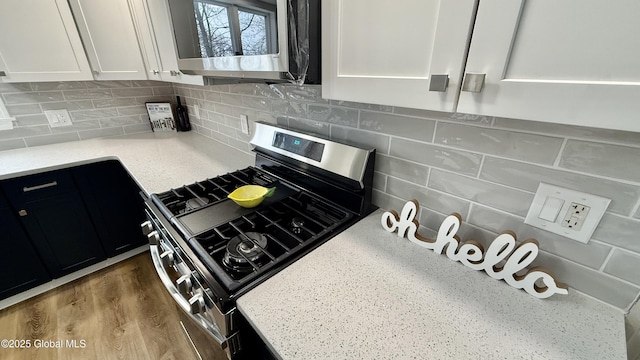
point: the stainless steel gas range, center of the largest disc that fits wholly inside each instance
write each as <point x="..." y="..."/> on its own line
<point x="208" y="251"/>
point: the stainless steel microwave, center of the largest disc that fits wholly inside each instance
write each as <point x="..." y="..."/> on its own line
<point x="248" y="39"/>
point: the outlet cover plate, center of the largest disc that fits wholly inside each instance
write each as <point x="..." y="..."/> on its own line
<point x="58" y="118"/>
<point x="244" y="124"/>
<point x="597" y="204"/>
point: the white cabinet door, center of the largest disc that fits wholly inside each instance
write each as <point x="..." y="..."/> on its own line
<point x="110" y="39"/>
<point x="572" y="62"/>
<point x="39" y="42"/>
<point x="157" y="40"/>
<point x="386" y="52"/>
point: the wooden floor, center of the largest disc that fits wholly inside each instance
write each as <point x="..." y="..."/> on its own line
<point x="122" y="312"/>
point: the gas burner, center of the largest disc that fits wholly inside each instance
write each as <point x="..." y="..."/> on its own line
<point x="195" y="203"/>
<point x="296" y="225"/>
<point x="244" y="248"/>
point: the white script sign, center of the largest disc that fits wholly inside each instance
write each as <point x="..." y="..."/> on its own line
<point x="502" y="260"/>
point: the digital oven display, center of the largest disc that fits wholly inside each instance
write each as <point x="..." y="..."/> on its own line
<point x="303" y="147"/>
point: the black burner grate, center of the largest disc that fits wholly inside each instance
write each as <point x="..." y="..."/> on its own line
<point x="288" y="226"/>
<point x="210" y="191"/>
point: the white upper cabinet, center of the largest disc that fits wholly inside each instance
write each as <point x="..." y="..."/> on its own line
<point x="572" y="62"/>
<point x="110" y="39"/>
<point x="387" y="52"/>
<point x="39" y="42"/>
<point x="157" y="41"/>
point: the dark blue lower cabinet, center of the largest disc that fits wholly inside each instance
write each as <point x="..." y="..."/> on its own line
<point x="21" y="267"/>
<point x="57" y="222"/>
<point x="62" y="233"/>
<point x="113" y="203"/>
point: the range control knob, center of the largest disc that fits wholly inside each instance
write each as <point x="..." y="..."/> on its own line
<point x="185" y="284"/>
<point x="168" y="258"/>
<point x="154" y="238"/>
<point x="146" y="227"/>
<point x="197" y="304"/>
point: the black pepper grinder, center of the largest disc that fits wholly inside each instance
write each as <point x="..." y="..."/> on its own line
<point x="182" y="117"/>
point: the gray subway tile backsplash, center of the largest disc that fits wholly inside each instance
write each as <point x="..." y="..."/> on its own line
<point x="497" y="196"/>
<point x="582" y="132"/>
<point x="603" y="286"/>
<point x="315" y="127"/>
<point x="619" y="231"/>
<point x="334" y="115"/>
<point x="11" y="144"/>
<point x="74" y="105"/>
<point x="25" y="131"/>
<point x="592" y="254"/>
<point x="527" y="177"/>
<point x="51" y="139"/>
<point x="463" y="162"/>
<point x="97" y="108"/>
<point x="95" y="133"/>
<point x="624" y="265"/>
<point x="93" y="114"/>
<point x="404" y="126"/>
<point x="429" y="198"/>
<point x="92" y="94"/>
<point x="28" y="120"/>
<point x="361" y="138"/>
<point x="32" y="97"/>
<point x="26" y="109"/>
<point x="402" y="169"/>
<point x="484" y="168"/>
<point x="516" y="145"/>
<point x="595" y="158"/>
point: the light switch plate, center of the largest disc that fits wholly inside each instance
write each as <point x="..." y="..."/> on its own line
<point x="589" y="220"/>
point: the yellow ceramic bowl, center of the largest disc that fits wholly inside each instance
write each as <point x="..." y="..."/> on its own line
<point x="249" y="196"/>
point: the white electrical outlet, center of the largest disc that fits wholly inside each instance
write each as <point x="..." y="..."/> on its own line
<point x="244" y="124"/>
<point x="575" y="216"/>
<point x="566" y="212"/>
<point x="58" y="118"/>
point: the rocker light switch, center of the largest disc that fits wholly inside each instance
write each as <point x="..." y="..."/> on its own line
<point x="551" y="208"/>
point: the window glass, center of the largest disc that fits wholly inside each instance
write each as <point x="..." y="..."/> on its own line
<point x="213" y="30"/>
<point x="253" y="33"/>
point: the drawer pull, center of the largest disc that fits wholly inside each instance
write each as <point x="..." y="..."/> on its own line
<point x="38" y="187"/>
<point x="22" y="212"/>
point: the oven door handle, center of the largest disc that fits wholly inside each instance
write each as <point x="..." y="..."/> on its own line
<point x="184" y="304"/>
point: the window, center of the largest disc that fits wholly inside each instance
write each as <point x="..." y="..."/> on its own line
<point x="227" y="29"/>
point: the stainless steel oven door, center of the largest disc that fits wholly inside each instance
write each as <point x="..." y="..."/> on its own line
<point x="190" y="296"/>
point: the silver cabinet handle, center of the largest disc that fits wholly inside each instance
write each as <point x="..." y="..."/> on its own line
<point x="22" y="212"/>
<point x="38" y="187"/>
<point x="155" y="72"/>
<point x="473" y="82"/>
<point x="174" y="73"/>
<point x="438" y="82"/>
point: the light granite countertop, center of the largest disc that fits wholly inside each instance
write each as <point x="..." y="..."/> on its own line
<point x="158" y="161"/>
<point x="366" y="293"/>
